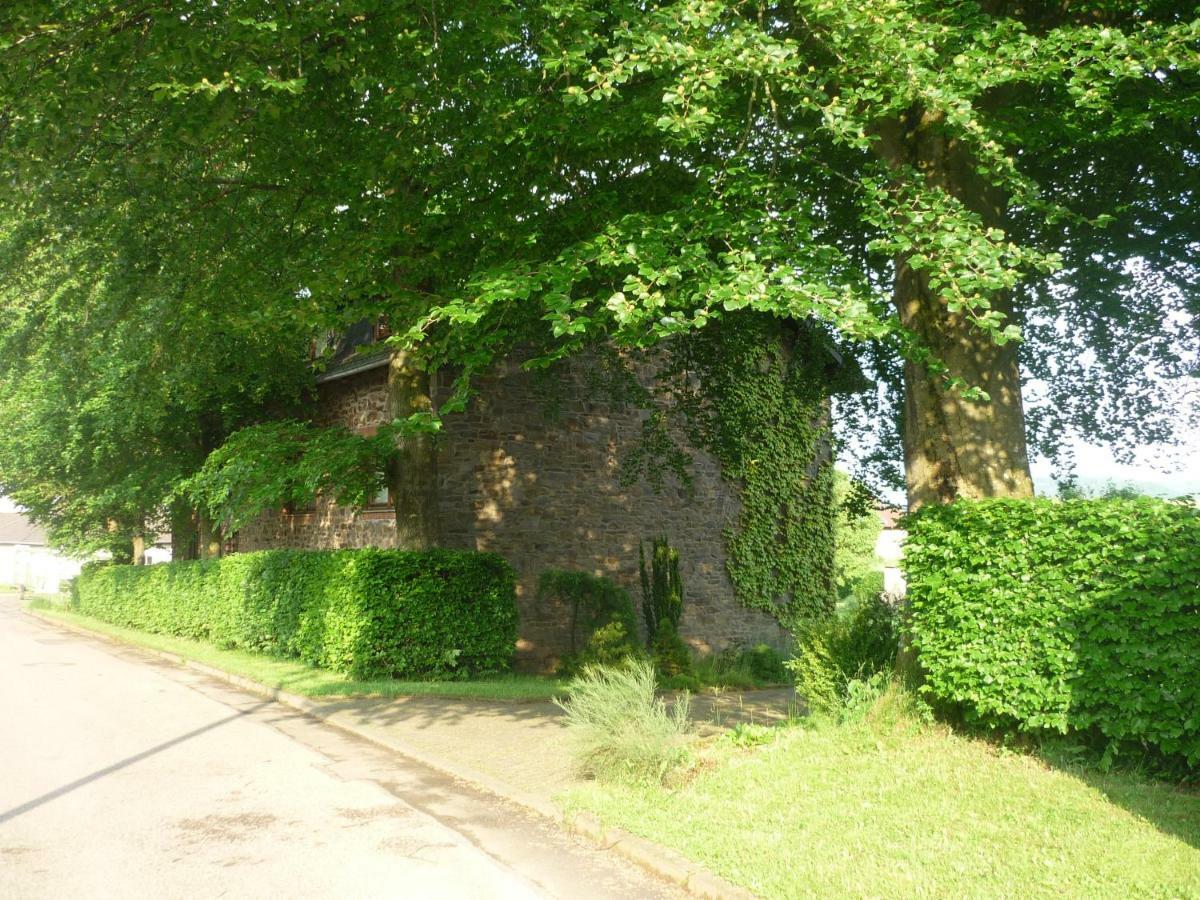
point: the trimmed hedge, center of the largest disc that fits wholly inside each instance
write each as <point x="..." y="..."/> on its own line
<point x="367" y="613"/>
<point x="1082" y="615"/>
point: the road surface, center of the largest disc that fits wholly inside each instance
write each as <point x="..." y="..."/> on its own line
<point x="122" y="776"/>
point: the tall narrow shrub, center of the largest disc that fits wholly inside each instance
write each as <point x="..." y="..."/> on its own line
<point x="662" y="588"/>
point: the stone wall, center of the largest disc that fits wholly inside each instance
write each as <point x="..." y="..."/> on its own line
<point x="545" y="493"/>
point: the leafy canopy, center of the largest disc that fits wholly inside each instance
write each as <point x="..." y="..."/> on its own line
<point x="555" y="174"/>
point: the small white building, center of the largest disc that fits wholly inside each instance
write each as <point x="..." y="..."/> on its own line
<point x="889" y="547"/>
<point x="27" y="561"/>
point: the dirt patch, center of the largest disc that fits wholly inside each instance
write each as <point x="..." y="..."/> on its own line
<point x="224" y="828"/>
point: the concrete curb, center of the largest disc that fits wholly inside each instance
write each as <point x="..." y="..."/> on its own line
<point x="654" y="858"/>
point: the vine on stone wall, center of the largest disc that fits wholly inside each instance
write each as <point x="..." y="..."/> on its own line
<point x="753" y="392"/>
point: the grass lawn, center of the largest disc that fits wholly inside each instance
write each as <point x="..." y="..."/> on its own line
<point x="898" y="809"/>
<point x="298" y="678"/>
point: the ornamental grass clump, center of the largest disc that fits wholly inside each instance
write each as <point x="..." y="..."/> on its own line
<point x="621" y="729"/>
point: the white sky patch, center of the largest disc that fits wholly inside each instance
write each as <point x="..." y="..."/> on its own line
<point x="1165" y="471"/>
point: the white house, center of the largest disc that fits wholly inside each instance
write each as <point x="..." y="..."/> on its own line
<point x="26" y="560"/>
<point x="890" y="549"/>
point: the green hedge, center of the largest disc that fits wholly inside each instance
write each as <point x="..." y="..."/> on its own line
<point x="1081" y="615"/>
<point x="367" y="613"/>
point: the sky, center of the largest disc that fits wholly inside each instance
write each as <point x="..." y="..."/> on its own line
<point x="1166" y="472"/>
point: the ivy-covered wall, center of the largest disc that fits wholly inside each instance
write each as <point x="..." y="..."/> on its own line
<point x="755" y="394"/>
<point x="546" y="493"/>
<point x="537" y="475"/>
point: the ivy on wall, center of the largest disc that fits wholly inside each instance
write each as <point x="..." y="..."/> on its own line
<point x="753" y="392"/>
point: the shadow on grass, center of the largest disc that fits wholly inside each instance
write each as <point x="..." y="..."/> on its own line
<point x="1161" y="801"/>
<point x="1147" y="788"/>
<point x="383" y="702"/>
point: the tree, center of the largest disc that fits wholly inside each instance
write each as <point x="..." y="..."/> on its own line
<point x="929" y="182"/>
<point x="111" y="389"/>
<point x="971" y="164"/>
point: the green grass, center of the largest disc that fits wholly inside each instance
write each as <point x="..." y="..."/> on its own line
<point x="299" y="678"/>
<point x="893" y="808"/>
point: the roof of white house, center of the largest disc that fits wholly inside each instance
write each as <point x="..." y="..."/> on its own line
<point x="16" y="529"/>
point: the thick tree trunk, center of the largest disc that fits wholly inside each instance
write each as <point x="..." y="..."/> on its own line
<point x="184" y="535"/>
<point x="209" y="538"/>
<point x="139" y="550"/>
<point x="955" y="447"/>
<point x="413" y="478"/>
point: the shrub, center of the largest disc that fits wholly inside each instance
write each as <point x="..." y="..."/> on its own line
<point x="751" y="667"/>
<point x="1080" y="615"/>
<point x="662" y="588"/>
<point x="764" y="664"/>
<point x="857" y="570"/>
<point x="366" y="613"/>
<point x="834" y="653"/>
<point x="671" y="655"/>
<point x="603" y="626"/>
<point x="621" y="730"/>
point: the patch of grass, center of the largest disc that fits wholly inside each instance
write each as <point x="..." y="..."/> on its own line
<point x="747" y="669"/>
<point x="299" y="678"/>
<point x="883" y="805"/>
<point x="47" y="601"/>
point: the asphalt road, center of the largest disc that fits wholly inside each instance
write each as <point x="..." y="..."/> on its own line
<point x="122" y="776"/>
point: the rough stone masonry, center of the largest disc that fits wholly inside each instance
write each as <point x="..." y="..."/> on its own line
<point x="544" y="492"/>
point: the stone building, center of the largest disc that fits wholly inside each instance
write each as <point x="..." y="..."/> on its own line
<point x="544" y="492"/>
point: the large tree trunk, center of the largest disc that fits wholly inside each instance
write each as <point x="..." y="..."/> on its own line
<point x="413" y="478"/>
<point x="209" y="538"/>
<point x="185" y="538"/>
<point x="955" y="447"/>
<point x="139" y="550"/>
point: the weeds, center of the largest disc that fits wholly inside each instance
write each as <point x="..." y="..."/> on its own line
<point x="621" y="729"/>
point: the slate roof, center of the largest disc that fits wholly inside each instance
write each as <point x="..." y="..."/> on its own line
<point x="16" y="529"/>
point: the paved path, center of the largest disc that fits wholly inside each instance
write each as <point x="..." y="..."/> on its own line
<point x="523" y="748"/>
<point x="120" y="777"/>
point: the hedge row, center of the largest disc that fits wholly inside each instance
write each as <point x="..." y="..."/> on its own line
<point x="367" y="613"/>
<point x="1081" y="615"/>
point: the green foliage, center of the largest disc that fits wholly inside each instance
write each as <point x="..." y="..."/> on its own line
<point x="662" y="588"/>
<point x="764" y="664"/>
<point x="278" y="463"/>
<point x="603" y="626"/>
<point x="608" y="645"/>
<point x="754" y="394"/>
<point x="745" y="669"/>
<point x="622" y="731"/>
<point x="364" y="613"/>
<point x="837" y="655"/>
<point x="113" y="385"/>
<point x="858" y="572"/>
<point x="297" y="677"/>
<point x="1079" y="615"/>
<point x="574" y="171"/>
<point x="746" y="734"/>
<point x="670" y="654"/>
